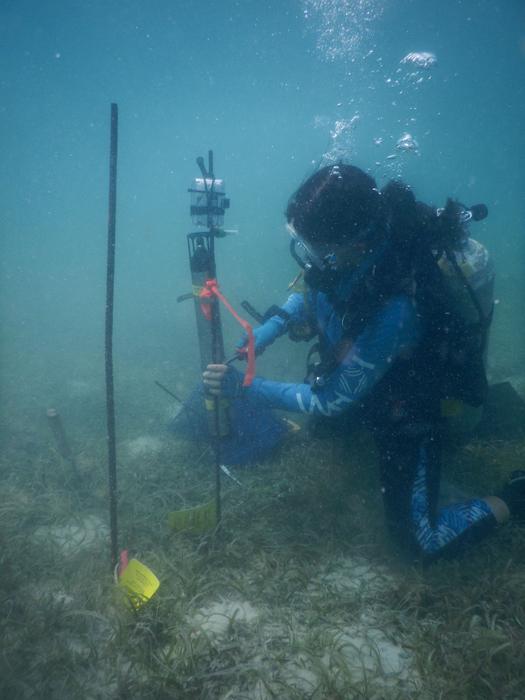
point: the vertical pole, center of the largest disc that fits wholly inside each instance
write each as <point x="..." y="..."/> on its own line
<point x="110" y="284"/>
<point x="217" y="454"/>
<point x="217" y="351"/>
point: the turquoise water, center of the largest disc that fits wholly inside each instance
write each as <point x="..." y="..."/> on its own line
<point x="263" y="84"/>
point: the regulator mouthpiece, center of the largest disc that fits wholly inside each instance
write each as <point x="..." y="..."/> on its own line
<point x="479" y="212"/>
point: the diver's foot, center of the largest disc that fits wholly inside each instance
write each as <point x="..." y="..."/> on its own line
<point x="513" y="494"/>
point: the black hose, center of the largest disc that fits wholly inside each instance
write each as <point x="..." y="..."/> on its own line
<point x="110" y="284"/>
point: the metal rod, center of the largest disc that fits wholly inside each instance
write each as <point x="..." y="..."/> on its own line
<point x="110" y="284"/>
<point x="217" y="456"/>
<point x="168" y="391"/>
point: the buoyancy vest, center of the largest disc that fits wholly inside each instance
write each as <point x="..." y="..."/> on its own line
<point x="446" y="372"/>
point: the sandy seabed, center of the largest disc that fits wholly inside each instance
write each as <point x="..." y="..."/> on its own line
<point x="300" y="594"/>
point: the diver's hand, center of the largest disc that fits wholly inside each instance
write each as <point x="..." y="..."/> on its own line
<point x="263" y="336"/>
<point x="222" y="380"/>
<point x="213" y="378"/>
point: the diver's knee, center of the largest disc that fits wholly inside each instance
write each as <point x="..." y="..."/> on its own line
<point x="498" y="507"/>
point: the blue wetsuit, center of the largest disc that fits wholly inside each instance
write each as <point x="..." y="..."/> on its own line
<point x="364" y="373"/>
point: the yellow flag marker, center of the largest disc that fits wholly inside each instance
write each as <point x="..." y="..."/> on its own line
<point x="139" y="583"/>
<point x="195" y="520"/>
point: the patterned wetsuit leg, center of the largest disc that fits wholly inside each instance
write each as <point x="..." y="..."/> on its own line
<point x="410" y="473"/>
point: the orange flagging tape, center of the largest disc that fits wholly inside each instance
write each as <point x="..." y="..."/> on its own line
<point x="211" y="289"/>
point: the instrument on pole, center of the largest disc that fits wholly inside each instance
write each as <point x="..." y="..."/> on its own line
<point x="208" y="204"/>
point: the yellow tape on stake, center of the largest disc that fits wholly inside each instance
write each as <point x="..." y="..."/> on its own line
<point x="139" y="583"/>
<point x="196" y="520"/>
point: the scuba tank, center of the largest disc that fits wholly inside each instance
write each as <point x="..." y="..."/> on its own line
<point x="468" y="283"/>
<point x="477" y="272"/>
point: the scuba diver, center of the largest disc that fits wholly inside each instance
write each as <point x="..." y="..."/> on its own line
<point x="381" y="272"/>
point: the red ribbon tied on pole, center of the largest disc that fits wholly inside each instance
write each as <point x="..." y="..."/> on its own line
<point x="211" y="289"/>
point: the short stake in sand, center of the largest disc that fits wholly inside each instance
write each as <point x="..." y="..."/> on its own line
<point x="61" y="441"/>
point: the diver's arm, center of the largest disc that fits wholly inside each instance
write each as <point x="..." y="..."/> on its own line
<point x="393" y="331"/>
<point x="277" y="325"/>
<point x="294" y="307"/>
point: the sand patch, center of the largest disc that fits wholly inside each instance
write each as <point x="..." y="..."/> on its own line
<point x="216" y="618"/>
<point x="71" y="538"/>
<point x="369" y="649"/>
<point x="354" y="575"/>
<point x="142" y="446"/>
<point x="356" y="651"/>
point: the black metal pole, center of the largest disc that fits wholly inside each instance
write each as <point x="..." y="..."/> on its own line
<point x="218" y="356"/>
<point x="217" y="457"/>
<point x="110" y="285"/>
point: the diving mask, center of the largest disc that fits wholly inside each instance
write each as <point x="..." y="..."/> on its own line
<point x="326" y="266"/>
<point x="331" y="257"/>
<point x="306" y="256"/>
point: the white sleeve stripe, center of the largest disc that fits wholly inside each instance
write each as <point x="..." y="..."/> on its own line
<point x="363" y="363"/>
